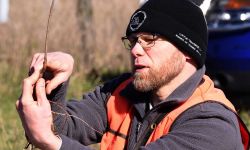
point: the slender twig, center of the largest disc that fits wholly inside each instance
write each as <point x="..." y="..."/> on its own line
<point x="73" y="116"/>
<point x="46" y="40"/>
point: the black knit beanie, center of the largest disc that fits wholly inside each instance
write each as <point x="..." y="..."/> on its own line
<point x="181" y="22"/>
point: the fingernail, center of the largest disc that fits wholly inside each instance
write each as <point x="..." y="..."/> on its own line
<point x="48" y="91"/>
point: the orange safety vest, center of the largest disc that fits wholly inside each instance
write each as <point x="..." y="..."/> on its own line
<point x="120" y="115"/>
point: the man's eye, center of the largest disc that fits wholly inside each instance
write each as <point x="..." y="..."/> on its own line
<point x="133" y="39"/>
<point x="148" y="38"/>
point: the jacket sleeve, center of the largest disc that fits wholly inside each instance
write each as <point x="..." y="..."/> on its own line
<point x="208" y="126"/>
<point x="82" y="122"/>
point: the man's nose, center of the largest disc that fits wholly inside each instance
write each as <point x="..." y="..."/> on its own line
<point x="137" y="50"/>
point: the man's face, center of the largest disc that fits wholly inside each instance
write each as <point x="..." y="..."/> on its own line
<point x="155" y="66"/>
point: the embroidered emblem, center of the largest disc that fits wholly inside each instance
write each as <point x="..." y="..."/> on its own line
<point x="137" y="20"/>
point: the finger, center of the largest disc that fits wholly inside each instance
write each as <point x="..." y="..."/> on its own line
<point x="37" y="62"/>
<point x="19" y="110"/>
<point x="35" y="58"/>
<point x="55" y="82"/>
<point x="28" y="86"/>
<point x="40" y="91"/>
<point x="17" y="105"/>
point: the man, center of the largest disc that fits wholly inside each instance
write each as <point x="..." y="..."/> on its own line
<point x="166" y="103"/>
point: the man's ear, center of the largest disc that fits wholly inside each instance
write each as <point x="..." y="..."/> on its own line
<point x="190" y="60"/>
<point x="187" y="57"/>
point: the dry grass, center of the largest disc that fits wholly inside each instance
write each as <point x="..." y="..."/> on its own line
<point x="24" y="35"/>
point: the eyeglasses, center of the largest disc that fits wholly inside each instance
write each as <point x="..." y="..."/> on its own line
<point x="145" y="40"/>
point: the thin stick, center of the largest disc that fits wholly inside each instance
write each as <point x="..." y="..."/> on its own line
<point x="46" y="39"/>
<point x="73" y="116"/>
<point x="78" y="118"/>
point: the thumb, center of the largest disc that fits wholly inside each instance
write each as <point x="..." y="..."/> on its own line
<point x="40" y="92"/>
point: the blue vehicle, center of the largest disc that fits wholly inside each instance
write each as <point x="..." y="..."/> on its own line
<point x="228" y="56"/>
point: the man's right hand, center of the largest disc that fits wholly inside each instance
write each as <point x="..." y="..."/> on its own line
<point x="58" y="63"/>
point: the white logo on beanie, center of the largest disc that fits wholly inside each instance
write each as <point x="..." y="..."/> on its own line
<point x="187" y="41"/>
<point x="137" y="20"/>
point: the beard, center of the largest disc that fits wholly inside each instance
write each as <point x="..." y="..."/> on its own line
<point x="158" y="76"/>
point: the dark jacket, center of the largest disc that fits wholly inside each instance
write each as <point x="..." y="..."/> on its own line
<point x="207" y="126"/>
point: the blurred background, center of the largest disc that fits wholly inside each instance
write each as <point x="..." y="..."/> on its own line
<point x="228" y="55"/>
<point x="90" y="30"/>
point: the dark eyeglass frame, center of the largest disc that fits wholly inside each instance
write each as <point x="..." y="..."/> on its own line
<point x="145" y="40"/>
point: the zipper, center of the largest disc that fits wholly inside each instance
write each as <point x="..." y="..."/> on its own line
<point x="145" y="133"/>
<point x="138" y="130"/>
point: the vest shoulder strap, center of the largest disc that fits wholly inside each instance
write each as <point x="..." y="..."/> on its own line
<point x="119" y="116"/>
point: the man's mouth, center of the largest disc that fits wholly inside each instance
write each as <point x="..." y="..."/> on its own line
<point x="140" y="68"/>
